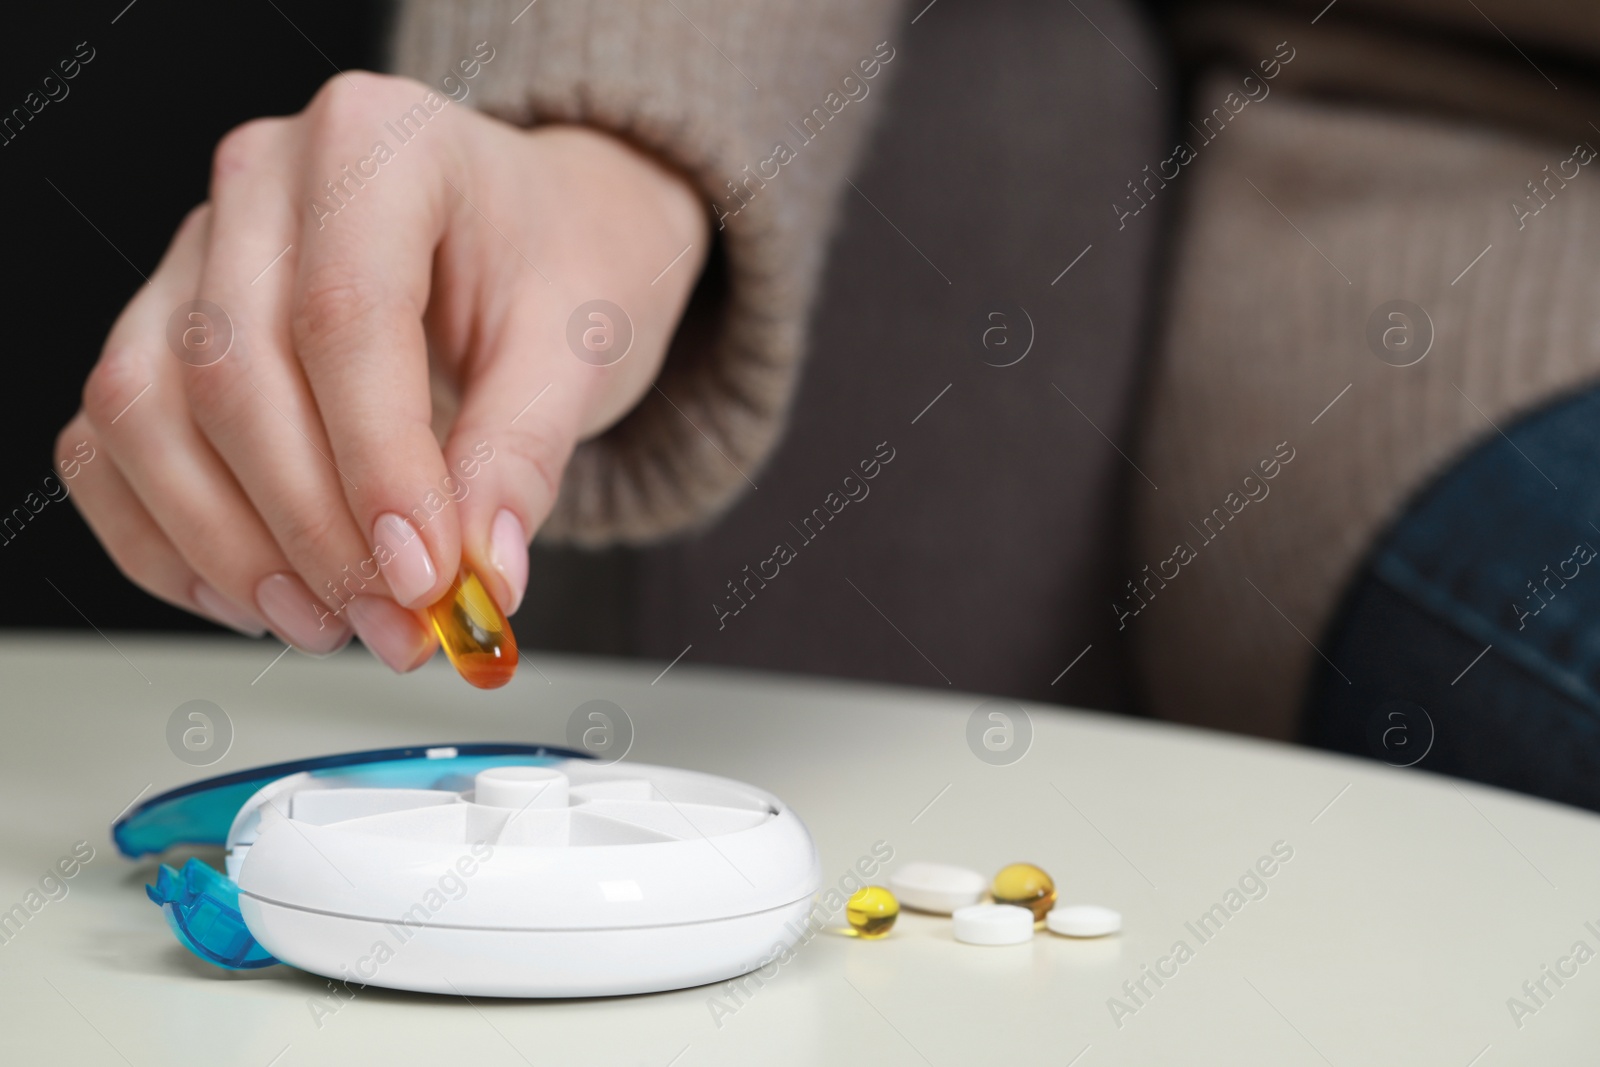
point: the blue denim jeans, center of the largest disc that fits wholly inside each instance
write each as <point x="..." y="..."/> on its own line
<point x="1471" y="637"/>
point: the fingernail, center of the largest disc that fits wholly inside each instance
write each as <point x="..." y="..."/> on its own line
<point x="390" y="632"/>
<point x="508" y="553"/>
<point x="223" y="610"/>
<point x="403" y="558"/>
<point x="297" y="617"/>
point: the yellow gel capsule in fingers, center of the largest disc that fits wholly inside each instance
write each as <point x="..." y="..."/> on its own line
<point x="871" y="912"/>
<point x="1026" y="886"/>
<point x="475" y="635"/>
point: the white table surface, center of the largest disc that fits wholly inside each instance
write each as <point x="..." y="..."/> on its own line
<point x="1412" y="909"/>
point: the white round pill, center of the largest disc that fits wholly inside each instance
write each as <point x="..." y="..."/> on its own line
<point x="993" y="924"/>
<point x="936" y="887"/>
<point x="1083" y="920"/>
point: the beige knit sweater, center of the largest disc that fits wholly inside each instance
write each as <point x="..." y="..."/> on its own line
<point x="1393" y="165"/>
<point x="1383" y="167"/>
<point x="712" y="87"/>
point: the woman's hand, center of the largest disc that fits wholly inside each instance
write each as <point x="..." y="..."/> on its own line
<point x="382" y="272"/>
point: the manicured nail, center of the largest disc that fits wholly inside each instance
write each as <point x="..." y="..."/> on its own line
<point x="297" y="617"/>
<point x="403" y="557"/>
<point x="223" y="610"/>
<point x="390" y="632"/>
<point x="508" y="553"/>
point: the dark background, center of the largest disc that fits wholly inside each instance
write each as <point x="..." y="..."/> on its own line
<point x="130" y="147"/>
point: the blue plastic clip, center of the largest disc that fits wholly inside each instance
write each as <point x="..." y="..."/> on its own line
<point x="202" y="907"/>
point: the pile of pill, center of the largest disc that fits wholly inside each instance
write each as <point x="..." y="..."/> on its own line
<point x="1021" y="897"/>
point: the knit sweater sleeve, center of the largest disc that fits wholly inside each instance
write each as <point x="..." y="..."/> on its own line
<point x="763" y="105"/>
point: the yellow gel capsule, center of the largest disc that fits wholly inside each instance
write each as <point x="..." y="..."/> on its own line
<point x="871" y="912"/>
<point x="475" y="636"/>
<point x="1026" y="886"/>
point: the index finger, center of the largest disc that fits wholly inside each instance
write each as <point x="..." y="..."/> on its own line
<point x="363" y="285"/>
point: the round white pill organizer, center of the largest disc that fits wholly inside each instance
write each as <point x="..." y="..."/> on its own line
<point x="495" y="870"/>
